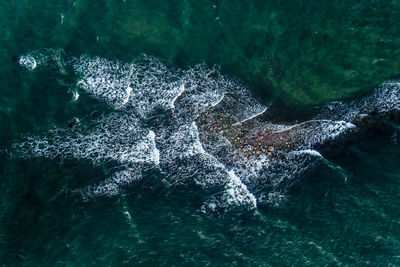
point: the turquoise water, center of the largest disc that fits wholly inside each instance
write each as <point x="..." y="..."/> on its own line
<point x="123" y="123"/>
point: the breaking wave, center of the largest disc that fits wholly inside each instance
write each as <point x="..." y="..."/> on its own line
<point x="194" y="125"/>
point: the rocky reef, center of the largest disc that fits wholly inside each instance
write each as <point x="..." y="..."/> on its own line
<point x="196" y="126"/>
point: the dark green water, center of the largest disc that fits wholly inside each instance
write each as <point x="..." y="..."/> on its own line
<point x="342" y="211"/>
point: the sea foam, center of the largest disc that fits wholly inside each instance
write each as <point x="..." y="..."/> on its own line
<point x="152" y="123"/>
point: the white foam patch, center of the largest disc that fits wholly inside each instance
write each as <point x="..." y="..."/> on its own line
<point x="314" y="132"/>
<point x="144" y="151"/>
<point x="48" y="57"/>
<point x="112" y="186"/>
<point x="237" y="194"/>
<point x="146" y="84"/>
<point x="100" y="190"/>
<point x="28" y="62"/>
<point x="239" y="104"/>
<point x="181" y="154"/>
<point x="181" y="90"/>
<point x="310" y="152"/>
<point x="182" y="142"/>
<point x="155" y="151"/>
<point x="75" y="96"/>
<point x="127" y="95"/>
<point x="204" y="89"/>
<point x="251" y="117"/>
<point x="385" y="98"/>
<point x="104" y="79"/>
<point x="116" y="137"/>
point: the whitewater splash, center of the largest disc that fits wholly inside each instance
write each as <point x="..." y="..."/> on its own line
<point x="194" y="125"/>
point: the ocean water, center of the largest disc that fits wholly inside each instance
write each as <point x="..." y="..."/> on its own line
<point x="206" y="133"/>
